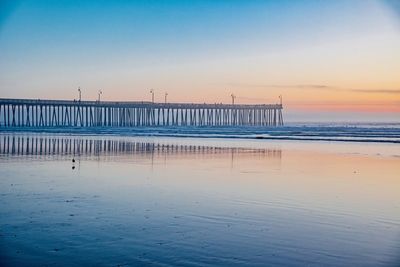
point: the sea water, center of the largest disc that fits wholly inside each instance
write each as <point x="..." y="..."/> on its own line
<point x="82" y="199"/>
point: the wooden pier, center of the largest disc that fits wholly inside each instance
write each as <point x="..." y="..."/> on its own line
<point x="68" y="113"/>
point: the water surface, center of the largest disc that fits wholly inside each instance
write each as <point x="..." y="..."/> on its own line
<point x="197" y="202"/>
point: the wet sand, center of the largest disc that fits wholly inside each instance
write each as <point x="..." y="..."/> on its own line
<point x="133" y="201"/>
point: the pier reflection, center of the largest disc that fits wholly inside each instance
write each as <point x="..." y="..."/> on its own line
<point x="90" y="146"/>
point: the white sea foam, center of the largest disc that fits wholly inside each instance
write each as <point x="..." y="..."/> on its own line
<point x="355" y="132"/>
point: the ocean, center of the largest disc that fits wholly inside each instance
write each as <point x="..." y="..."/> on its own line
<point x="299" y="195"/>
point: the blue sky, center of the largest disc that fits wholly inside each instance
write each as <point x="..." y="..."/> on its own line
<point x="201" y="51"/>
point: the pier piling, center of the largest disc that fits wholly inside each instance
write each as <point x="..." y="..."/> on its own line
<point x="67" y="113"/>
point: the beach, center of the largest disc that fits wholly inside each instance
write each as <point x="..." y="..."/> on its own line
<point x="170" y="201"/>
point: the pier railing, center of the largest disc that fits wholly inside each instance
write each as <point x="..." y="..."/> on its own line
<point x="73" y="113"/>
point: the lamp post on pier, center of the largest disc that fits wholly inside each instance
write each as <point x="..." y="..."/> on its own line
<point x="152" y="95"/>
<point x="99" y="95"/>
<point x="80" y="94"/>
<point x="233" y="99"/>
<point x="165" y="97"/>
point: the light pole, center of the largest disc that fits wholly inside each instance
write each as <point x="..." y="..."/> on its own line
<point x="152" y="95"/>
<point x="80" y="94"/>
<point x="280" y="99"/>
<point x="165" y="97"/>
<point x="233" y="99"/>
<point x="99" y="94"/>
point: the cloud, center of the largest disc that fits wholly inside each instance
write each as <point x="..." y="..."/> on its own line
<point x="319" y="87"/>
<point x="315" y="86"/>
<point x="380" y="91"/>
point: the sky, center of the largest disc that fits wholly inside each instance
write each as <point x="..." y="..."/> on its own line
<point x="330" y="60"/>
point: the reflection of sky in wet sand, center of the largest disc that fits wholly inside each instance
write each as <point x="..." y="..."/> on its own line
<point x="176" y="202"/>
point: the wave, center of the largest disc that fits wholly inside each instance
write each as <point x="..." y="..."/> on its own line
<point x="384" y="133"/>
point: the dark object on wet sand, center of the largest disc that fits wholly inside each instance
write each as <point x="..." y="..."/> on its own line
<point x="73" y="160"/>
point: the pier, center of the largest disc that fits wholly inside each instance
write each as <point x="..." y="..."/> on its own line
<point x="76" y="113"/>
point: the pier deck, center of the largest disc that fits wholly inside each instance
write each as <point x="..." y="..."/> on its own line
<point x="72" y="113"/>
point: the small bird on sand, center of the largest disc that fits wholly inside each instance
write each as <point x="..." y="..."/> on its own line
<point x="73" y="160"/>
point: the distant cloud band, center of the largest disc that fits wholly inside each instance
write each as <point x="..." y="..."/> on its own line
<point x="319" y="86"/>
